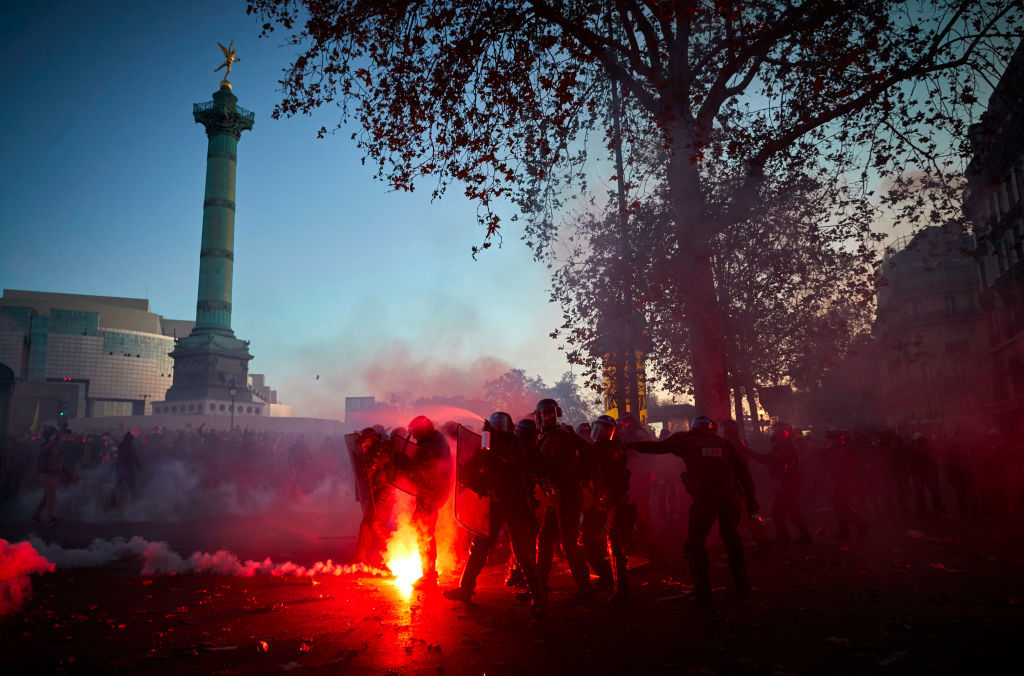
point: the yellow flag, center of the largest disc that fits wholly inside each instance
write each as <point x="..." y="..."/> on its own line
<point x="35" y="420"/>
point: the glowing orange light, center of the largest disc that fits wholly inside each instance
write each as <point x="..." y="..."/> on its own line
<point x="403" y="557"/>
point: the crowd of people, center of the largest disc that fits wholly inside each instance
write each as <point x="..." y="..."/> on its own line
<point x="590" y="491"/>
<point x="162" y="474"/>
<point x="594" y="492"/>
<point x="549" y="484"/>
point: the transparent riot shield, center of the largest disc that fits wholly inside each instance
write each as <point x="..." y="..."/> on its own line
<point x="472" y="509"/>
<point x="403" y="446"/>
<point x="364" y="496"/>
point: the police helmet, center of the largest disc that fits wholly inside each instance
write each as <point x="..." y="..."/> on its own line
<point x="501" y="421"/>
<point x="420" y="426"/>
<point x="526" y="429"/>
<point x="730" y="426"/>
<point x="704" y="424"/>
<point x="583" y="429"/>
<point x="547" y="413"/>
<point x="603" y="428"/>
<point x="368" y="437"/>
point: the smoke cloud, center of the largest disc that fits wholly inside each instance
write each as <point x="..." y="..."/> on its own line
<point x="17" y="561"/>
<point x="158" y="558"/>
<point x="187" y="476"/>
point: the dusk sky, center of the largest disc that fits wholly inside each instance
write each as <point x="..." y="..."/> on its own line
<point x="101" y="192"/>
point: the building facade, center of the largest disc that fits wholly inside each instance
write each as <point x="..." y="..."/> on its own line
<point x="115" y="349"/>
<point x="932" y="340"/>
<point x="992" y="202"/>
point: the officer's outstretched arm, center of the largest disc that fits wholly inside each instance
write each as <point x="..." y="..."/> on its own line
<point x="651" y="447"/>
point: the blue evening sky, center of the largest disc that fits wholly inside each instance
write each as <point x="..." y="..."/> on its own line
<point x="101" y="190"/>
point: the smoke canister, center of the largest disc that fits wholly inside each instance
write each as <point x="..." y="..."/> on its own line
<point x="485" y="442"/>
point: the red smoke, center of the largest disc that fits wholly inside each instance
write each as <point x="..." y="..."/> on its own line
<point x="17" y="562"/>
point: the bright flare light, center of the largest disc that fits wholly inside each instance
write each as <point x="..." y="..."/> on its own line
<point x="403" y="558"/>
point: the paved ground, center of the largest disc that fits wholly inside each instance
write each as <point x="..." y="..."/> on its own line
<point x="948" y="603"/>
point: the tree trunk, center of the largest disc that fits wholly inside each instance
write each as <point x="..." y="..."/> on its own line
<point x="737" y="404"/>
<point x="694" y="229"/>
<point x="752" y="404"/>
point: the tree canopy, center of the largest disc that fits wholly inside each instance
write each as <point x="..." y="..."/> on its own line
<point x="501" y="97"/>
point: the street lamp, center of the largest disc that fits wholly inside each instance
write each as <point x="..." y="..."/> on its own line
<point x="233" y="391"/>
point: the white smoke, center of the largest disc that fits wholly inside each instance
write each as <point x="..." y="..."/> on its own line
<point x="159" y="559"/>
<point x="175" y="487"/>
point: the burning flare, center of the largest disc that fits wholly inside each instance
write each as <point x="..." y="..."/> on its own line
<point x="403" y="557"/>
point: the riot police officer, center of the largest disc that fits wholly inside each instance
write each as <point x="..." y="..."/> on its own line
<point x="501" y="472"/>
<point x="716" y="478"/>
<point x="730" y="431"/>
<point x="784" y="463"/>
<point x="527" y="433"/>
<point x="606" y="514"/>
<point x="558" y="473"/>
<point x="376" y="465"/>
<point x="430" y="471"/>
<point x="842" y="452"/>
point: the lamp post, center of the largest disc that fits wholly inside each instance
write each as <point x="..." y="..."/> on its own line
<point x="233" y="391"/>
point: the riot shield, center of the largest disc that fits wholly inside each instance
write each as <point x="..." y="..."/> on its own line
<point x="472" y="510"/>
<point x="364" y="496"/>
<point x="403" y="446"/>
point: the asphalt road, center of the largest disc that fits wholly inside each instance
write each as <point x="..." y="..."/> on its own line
<point x="948" y="603"/>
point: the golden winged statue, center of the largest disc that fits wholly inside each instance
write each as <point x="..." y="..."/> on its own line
<point x="229" y="58"/>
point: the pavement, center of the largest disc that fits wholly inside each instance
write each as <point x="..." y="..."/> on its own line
<point x="916" y="596"/>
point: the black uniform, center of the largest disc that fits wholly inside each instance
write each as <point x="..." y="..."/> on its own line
<point x="715" y="476"/>
<point x="377" y="466"/>
<point x="430" y="471"/>
<point x="606" y="514"/>
<point x="843" y="455"/>
<point x="502" y="473"/>
<point x="784" y="463"/>
<point x="558" y="469"/>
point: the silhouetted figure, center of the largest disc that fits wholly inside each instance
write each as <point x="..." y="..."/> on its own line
<point x="128" y="467"/>
<point x="784" y="463"/>
<point x="558" y="468"/>
<point x="844" y="454"/>
<point x="752" y="522"/>
<point x="501" y="473"/>
<point x="606" y="513"/>
<point x="717" y="479"/>
<point x="960" y="474"/>
<point x="51" y="469"/>
<point x="924" y="472"/>
<point x="376" y="465"/>
<point x="528" y="434"/>
<point x="430" y="471"/>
